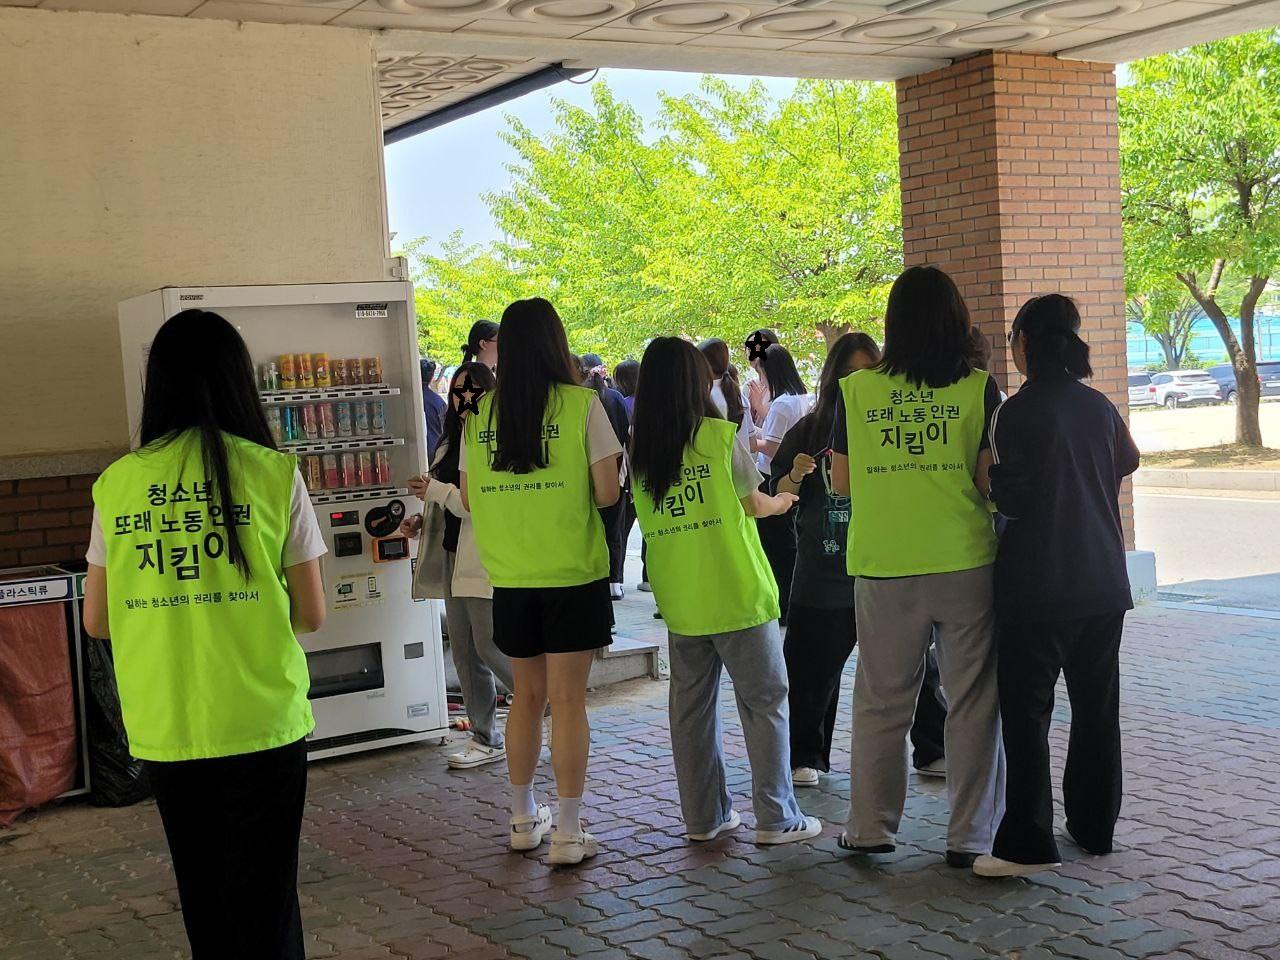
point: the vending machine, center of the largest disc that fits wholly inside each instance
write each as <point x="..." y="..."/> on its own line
<point x="338" y="375"/>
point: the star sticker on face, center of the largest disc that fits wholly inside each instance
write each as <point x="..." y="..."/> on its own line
<point x="757" y="344"/>
<point x="468" y="395"/>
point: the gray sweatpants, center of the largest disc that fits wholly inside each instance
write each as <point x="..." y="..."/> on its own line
<point x="753" y="658"/>
<point x="477" y="660"/>
<point x="895" y="620"/>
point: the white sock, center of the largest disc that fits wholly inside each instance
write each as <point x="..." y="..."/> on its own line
<point x="570" y="815"/>
<point x="522" y="802"/>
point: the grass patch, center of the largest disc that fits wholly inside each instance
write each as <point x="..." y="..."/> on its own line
<point x="1228" y="456"/>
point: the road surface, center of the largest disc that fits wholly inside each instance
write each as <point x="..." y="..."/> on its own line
<point x="1188" y="428"/>
<point x="1220" y="546"/>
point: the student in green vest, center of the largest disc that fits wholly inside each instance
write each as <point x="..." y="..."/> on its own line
<point x="538" y="459"/>
<point x="911" y="453"/>
<point x="696" y="493"/>
<point x="203" y="567"/>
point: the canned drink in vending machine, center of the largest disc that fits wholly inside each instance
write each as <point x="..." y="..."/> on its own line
<point x="313" y="473"/>
<point x="361" y="413"/>
<point x="306" y="375"/>
<point x="350" y="475"/>
<point x="320" y="368"/>
<point x="346" y="427"/>
<point x="310" y="422"/>
<point x="338" y="372"/>
<point x="382" y="467"/>
<point x="269" y="376"/>
<point x="329" y="464"/>
<point x="288" y="372"/>
<point x="286" y="424"/>
<point x="372" y="369"/>
<point x="328" y="424"/>
<point x="275" y="423"/>
<point x="377" y="417"/>
<point x="365" y="461"/>
<point x="355" y="372"/>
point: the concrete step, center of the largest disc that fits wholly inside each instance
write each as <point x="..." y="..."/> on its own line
<point x="625" y="659"/>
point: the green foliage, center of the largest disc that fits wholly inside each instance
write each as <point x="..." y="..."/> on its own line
<point x="1200" y="169"/>
<point x="736" y="212"/>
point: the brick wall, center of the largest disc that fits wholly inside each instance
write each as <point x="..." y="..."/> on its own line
<point x="44" y="520"/>
<point x="1011" y="183"/>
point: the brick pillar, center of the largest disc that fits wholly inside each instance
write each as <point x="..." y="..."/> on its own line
<point x="1011" y="183"/>
<point x="45" y="520"/>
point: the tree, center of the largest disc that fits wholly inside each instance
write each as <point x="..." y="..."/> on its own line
<point x="1168" y="317"/>
<point x="1200" y="170"/>
<point x="735" y="211"/>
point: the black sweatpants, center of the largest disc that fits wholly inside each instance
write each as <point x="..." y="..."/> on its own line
<point x="778" y="537"/>
<point x="614" y="517"/>
<point x="233" y="825"/>
<point x="1087" y="651"/>
<point x="816" y="647"/>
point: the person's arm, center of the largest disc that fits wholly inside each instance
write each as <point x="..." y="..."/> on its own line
<point x="307" y="608"/>
<point x="790" y="465"/>
<point x="840" y="451"/>
<point x="990" y="404"/>
<point x="95" y="603"/>
<point x="982" y="475"/>
<point x="1128" y="457"/>
<point x="303" y="548"/>
<point x="604" y="453"/>
<point x="462" y="491"/>
<point x="758" y="504"/>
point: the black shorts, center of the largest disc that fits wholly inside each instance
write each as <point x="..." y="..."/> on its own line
<point x="531" y="621"/>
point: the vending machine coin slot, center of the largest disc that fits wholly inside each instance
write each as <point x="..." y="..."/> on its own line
<point x="348" y="544"/>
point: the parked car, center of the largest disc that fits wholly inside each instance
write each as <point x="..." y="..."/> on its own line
<point x="1142" y="391"/>
<point x="1268" y="379"/>
<point x="1185" y="387"/>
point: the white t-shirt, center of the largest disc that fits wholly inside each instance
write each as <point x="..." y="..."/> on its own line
<point x="304" y="542"/>
<point x="744" y="428"/>
<point x="784" y="413"/>
<point x="746" y="477"/>
<point x="602" y="442"/>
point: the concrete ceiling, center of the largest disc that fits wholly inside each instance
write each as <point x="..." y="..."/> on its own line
<point x="434" y="54"/>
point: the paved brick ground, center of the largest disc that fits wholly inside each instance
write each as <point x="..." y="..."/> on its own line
<point x="404" y="859"/>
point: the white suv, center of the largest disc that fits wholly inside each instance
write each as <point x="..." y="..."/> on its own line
<point x="1179" y="388"/>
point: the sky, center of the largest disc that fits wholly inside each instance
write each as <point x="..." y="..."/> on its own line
<point x="436" y="181"/>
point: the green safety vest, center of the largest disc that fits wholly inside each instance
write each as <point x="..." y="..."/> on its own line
<point x="913" y="452"/>
<point x="207" y="663"/>
<point x="542" y="528"/>
<point x="706" y="566"/>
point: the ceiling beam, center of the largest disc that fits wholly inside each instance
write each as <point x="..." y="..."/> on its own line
<point x="1202" y="28"/>
<point x="686" y="57"/>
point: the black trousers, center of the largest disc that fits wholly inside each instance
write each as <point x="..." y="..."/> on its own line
<point x="233" y="825"/>
<point x="614" y="538"/>
<point x="816" y="647"/>
<point x="1087" y="651"/>
<point x="778" y="537"/>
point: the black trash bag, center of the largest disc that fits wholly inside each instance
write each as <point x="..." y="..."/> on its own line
<point x="116" y="779"/>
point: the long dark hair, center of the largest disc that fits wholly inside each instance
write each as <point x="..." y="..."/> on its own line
<point x="1050" y="330"/>
<point x="625" y="375"/>
<point x="823" y="420"/>
<point x="482" y="379"/>
<point x="780" y="373"/>
<point x="673" y="397"/>
<point x="533" y="353"/>
<point x="926" y="329"/>
<point x="200" y="377"/>
<point x="723" y="372"/>
<point x="480" y="330"/>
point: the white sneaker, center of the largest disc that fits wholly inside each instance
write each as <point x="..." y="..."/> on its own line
<point x="805" y="777"/>
<point x="937" y="769"/>
<point x="528" y="832"/>
<point x="615" y="591"/>
<point x="733" y="823"/>
<point x="570" y="849"/>
<point x="989" y="866"/>
<point x="476" y="754"/>
<point x="807" y="829"/>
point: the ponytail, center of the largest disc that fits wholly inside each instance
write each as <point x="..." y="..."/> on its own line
<point x="1050" y="334"/>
